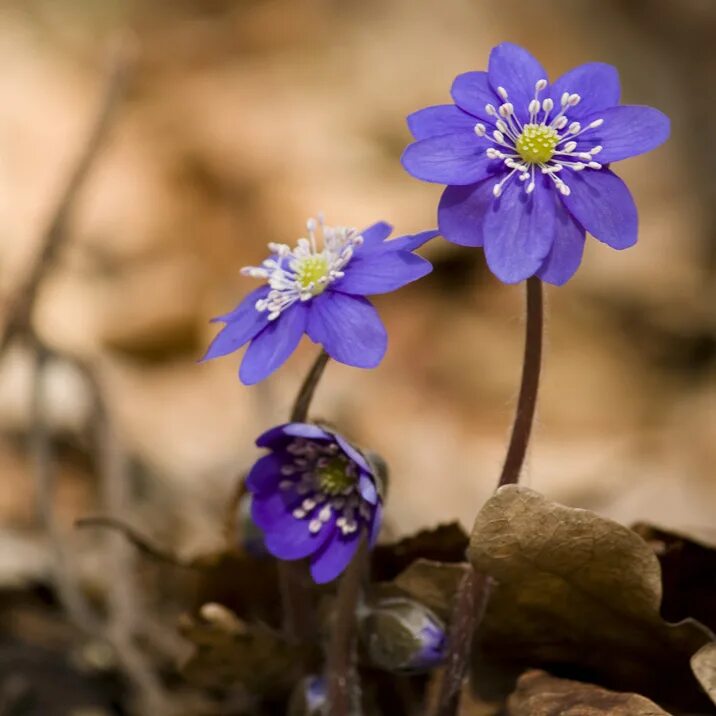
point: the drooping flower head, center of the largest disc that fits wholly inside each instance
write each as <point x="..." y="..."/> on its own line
<point x="527" y="163"/>
<point x="314" y="495"/>
<point x="319" y="288"/>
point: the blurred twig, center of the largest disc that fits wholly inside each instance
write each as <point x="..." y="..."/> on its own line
<point x="42" y="453"/>
<point x="21" y="305"/>
<point x="140" y="541"/>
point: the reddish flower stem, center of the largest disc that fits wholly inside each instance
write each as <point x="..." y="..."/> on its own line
<point x="474" y="590"/>
<point x="296" y="600"/>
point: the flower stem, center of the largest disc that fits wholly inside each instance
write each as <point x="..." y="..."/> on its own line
<point x="296" y="601"/>
<point x="299" y="413"/>
<point x="340" y="655"/>
<point x="474" y="590"/>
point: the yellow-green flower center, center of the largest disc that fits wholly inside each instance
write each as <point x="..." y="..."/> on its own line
<point x="333" y="479"/>
<point x="310" y="271"/>
<point x="537" y="143"/>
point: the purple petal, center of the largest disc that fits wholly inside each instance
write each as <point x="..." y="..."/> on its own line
<point x="271" y="348"/>
<point x="243" y="323"/>
<point x="352" y="452"/>
<point x="376" y="524"/>
<point x="286" y="537"/>
<point x="277" y="437"/>
<point x="448" y="159"/>
<point x="472" y="92"/>
<point x="596" y="83"/>
<point x="462" y="211"/>
<point x="519" y="230"/>
<point x="600" y="201"/>
<point x="566" y="254"/>
<point x="627" y="131"/>
<point x="334" y="556"/>
<point x="375" y="234"/>
<point x="411" y="242"/>
<point x="381" y="272"/>
<point x="438" y="120"/>
<point x="517" y="71"/>
<point x="349" y="328"/>
<point x="367" y="489"/>
<point x="265" y="474"/>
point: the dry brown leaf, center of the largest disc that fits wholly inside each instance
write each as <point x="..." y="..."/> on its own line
<point x="703" y="663"/>
<point x="540" y="694"/>
<point x="432" y="583"/>
<point x="580" y="590"/>
<point x="230" y="652"/>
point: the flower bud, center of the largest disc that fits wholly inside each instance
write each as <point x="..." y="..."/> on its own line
<point x="402" y="635"/>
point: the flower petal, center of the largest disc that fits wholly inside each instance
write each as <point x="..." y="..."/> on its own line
<point x="272" y="347"/>
<point x="595" y="82"/>
<point x="286" y="537"/>
<point x="627" y="131"/>
<point x="472" y="92"/>
<point x="367" y="488"/>
<point x="334" y="556"/>
<point x="375" y="234"/>
<point x="462" y="211"/>
<point x="381" y="272"/>
<point x="265" y="474"/>
<point x="352" y="452"/>
<point x="448" y="159"/>
<point x="567" y="250"/>
<point x="349" y="328"/>
<point x="519" y="230"/>
<point x="601" y="202"/>
<point x="242" y="324"/>
<point x="438" y="120"/>
<point x="281" y="435"/>
<point x="411" y="242"/>
<point x="517" y="71"/>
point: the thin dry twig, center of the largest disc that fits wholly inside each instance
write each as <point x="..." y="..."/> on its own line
<point x="22" y="304"/>
<point x="140" y="541"/>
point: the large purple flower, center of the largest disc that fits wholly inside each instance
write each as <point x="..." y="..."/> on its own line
<point x="320" y="291"/>
<point x="314" y="495"/>
<point x="527" y="163"/>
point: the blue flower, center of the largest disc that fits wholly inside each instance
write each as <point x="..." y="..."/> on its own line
<point x="314" y="495"/>
<point x="527" y="163"/>
<point x="320" y="291"/>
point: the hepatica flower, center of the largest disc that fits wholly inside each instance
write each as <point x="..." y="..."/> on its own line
<point x="319" y="288"/>
<point x="314" y="495"/>
<point x="527" y="163"/>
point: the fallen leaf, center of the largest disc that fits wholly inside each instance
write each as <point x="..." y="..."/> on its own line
<point x="540" y="694"/>
<point x="432" y="583"/>
<point x="444" y="543"/>
<point x="688" y="567"/>
<point x="578" y="591"/>
<point x="703" y="663"/>
<point x="230" y="652"/>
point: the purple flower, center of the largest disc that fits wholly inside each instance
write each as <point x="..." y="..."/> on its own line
<point x="527" y="163"/>
<point x="320" y="291"/>
<point x="314" y="495"/>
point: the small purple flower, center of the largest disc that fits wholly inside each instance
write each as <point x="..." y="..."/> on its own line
<point x="314" y="495"/>
<point x="320" y="291"/>
<point x="527" y="163"/>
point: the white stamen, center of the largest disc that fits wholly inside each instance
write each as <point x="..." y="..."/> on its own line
<point x="540" y="85"/>
<point x="480" y="130"/>
<point x="503" y="93"/>
<point x="314" y="526"/>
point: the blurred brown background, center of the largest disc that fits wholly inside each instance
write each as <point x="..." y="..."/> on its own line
<point x="244" y="117"/>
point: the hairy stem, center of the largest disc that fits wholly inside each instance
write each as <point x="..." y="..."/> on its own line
<point x="340" y="655"/>
<point x="296" y="599"/>
<point x="474" y="591"/>
<point x="299" y="412"/>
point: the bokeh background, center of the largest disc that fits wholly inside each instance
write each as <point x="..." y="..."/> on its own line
<point x="241" y="119"/>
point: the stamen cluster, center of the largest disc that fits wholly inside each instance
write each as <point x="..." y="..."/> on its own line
<point x="545" y="142"/>
<point x="302" y="272"/>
